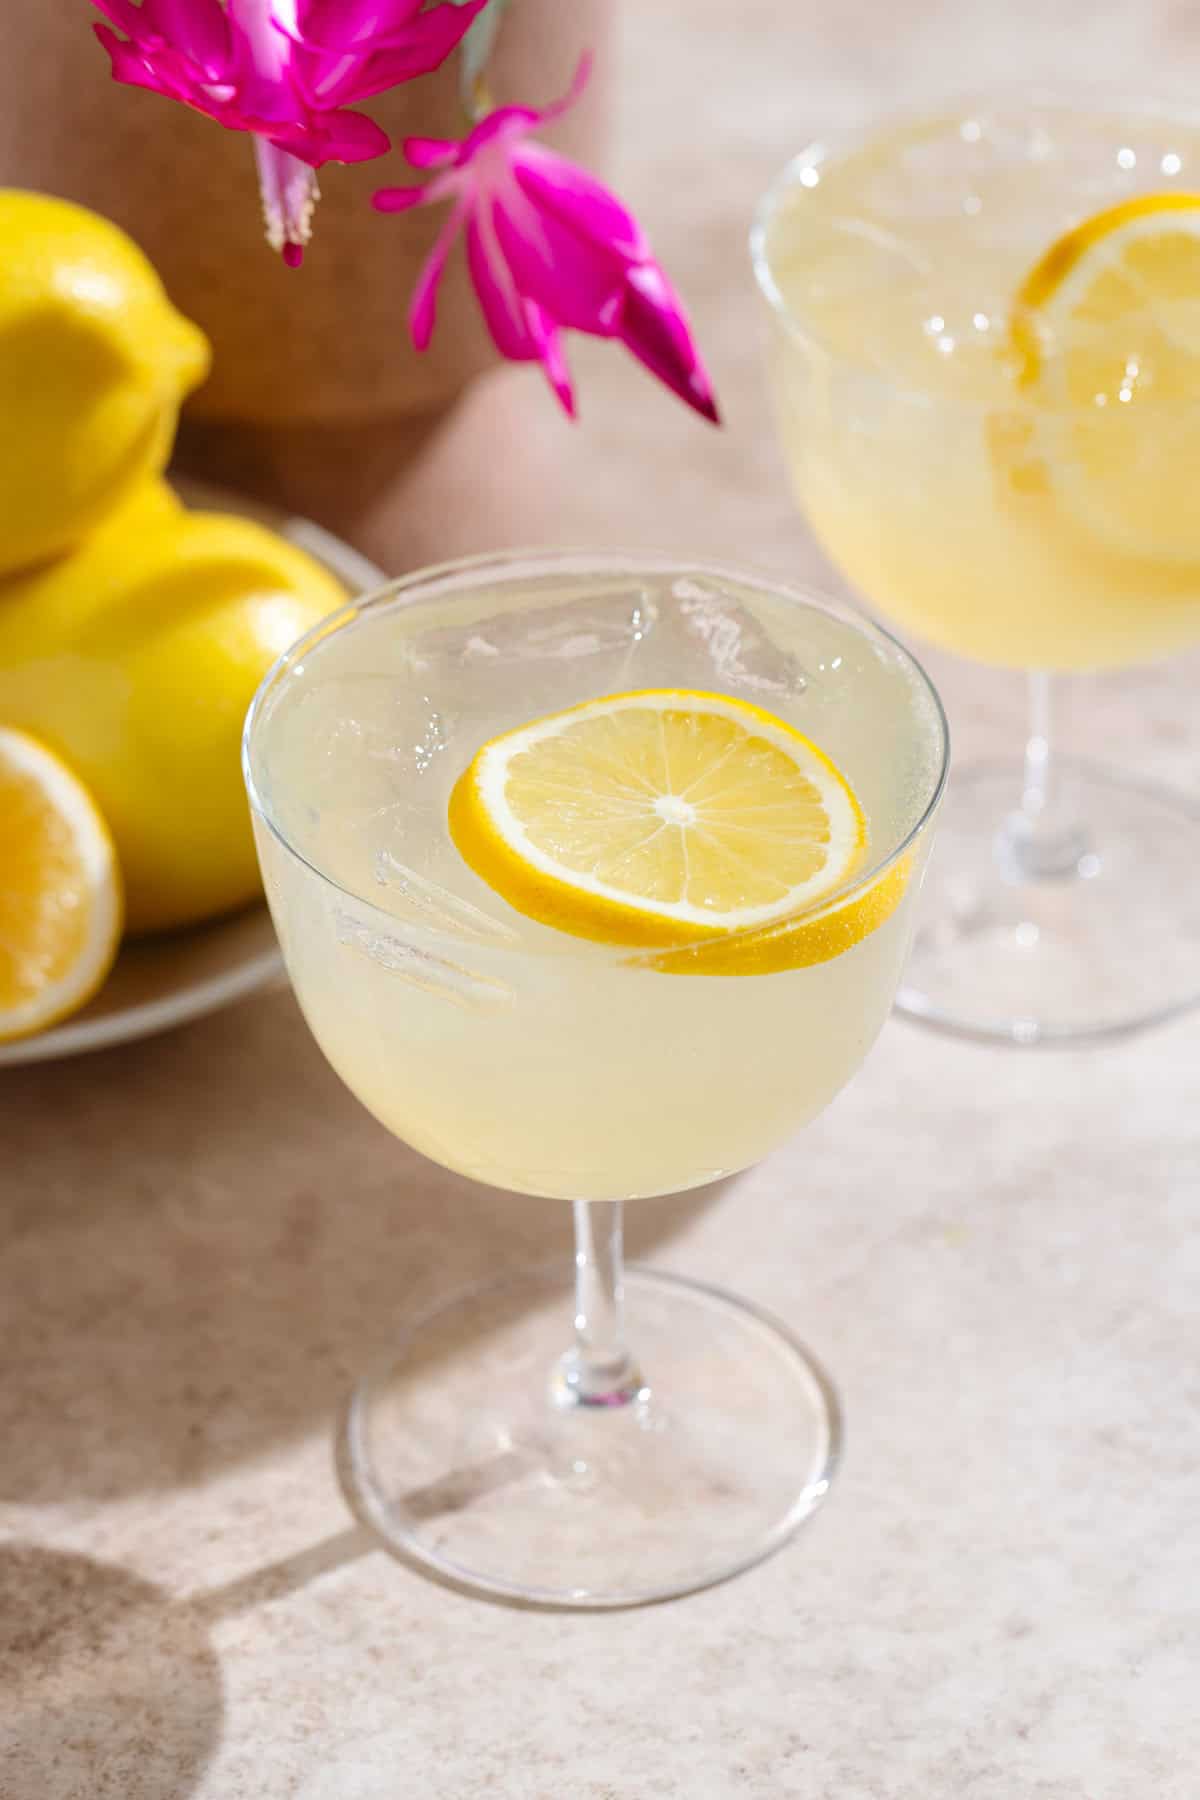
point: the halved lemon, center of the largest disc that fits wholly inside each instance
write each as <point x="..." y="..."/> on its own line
<point x="664" y="818"/>
<point x="1104" y="338"/>
<point x="60" y="890"/>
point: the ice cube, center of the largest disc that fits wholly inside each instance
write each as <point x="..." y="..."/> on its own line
<point x="733" y="641"/>
<point x="423" y="902"/>
<point x="440" y="976"/>
<point x="352" y="743"/>
<point x="605" y="624"/>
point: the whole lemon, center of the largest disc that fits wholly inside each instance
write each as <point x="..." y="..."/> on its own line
<point x="135" y="658"/>
<point x="94" y="361"/>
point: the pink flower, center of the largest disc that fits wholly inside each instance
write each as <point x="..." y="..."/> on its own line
<point x="288" y="72"/>
<point x="548" y="249"/>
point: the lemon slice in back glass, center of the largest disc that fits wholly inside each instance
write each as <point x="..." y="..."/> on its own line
<point x="668" y="819"/>
<point x="1105" y="335"/>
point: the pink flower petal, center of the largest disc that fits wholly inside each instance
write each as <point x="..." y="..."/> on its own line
<point x="349" y="24"/>
<point x="580" y="79"/>
<point x="354" y="137"/>
<point x="578" y="201"/>
<point x="431" y="153"/>
<point x="362" y="25"/>
<point x="400" y="29"/>
<point x="549" y="249"/>
<point x="550" y="351"/>
<point x="505" y="122"/>
<point x="515" y="122"/>
<point x="422" y="312"/>
<point x="425" y="193"/>
<point x="134" y="68"/>
<point x="317" y="75"/>
<point x="499" y="297"/>
<point x="402" y="199"/>
<point x="345" y="137"/>
<point x="575" y="279"/>
<point x="239" y="63"/>
<point x="654" y="328"/>
<point x="198" y="28"/>
<point x="336" y="79"/>
<point x="261" y="63"/>
<point x="125" y="16"/>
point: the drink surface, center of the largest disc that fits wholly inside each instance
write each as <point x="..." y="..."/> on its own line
<point x="968" y="508"/>
<point x="503" y="1048"/>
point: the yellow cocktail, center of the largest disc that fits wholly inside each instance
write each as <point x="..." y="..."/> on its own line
<point x="595" y="878"/>
<point x="985" y="359"/>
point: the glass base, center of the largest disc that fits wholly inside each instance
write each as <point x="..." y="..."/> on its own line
<point x="1089" y="933"/>
<point x="469" y="1457"/>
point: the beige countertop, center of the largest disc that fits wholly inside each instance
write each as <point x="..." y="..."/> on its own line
<point x="205" y="1239"/>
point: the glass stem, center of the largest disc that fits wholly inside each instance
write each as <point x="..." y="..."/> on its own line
<point x="598" y="1370"/>
<point x="1035" y="792"/>
<point x="1039" y="842"/>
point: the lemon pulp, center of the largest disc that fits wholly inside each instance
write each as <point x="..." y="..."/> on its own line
<point x="671" y="818"/>
<point x="1105" y="334"/>
<point x="60" y="896"/>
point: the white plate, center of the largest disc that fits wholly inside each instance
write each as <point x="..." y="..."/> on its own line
<point x="161" y="982"/>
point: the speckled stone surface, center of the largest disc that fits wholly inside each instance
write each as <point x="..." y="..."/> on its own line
<point x="204" y="1239"/>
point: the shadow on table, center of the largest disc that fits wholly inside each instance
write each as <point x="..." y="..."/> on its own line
<point x="206" y="1240"/>
<point x="109" y="1689"/>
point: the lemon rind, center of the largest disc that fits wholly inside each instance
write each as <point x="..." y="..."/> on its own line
<point x="64" y="791"/>
<point x="794" y="944"/>
<point x="1055" y="276"/>
<point x="528" y="880"/>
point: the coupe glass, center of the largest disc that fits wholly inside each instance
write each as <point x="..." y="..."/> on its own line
<point x="683" y="1433"/>
<point x="1025" y="526"/>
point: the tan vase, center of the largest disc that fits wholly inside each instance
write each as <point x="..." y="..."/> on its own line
<point x="316" y="395"/>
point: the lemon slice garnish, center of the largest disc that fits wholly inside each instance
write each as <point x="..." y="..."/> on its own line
<point x="1104" y="340"/>
<point x="60" y="891"/>
<point x="795" y="944"/>
<point x="664" y="819"/>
